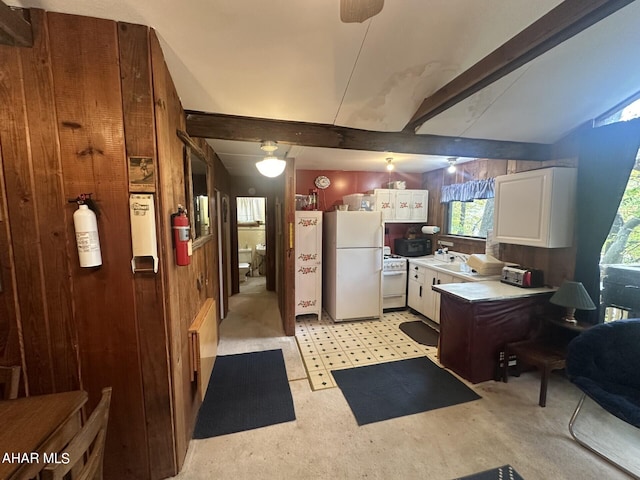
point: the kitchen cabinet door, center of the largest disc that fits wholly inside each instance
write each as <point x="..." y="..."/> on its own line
<point x="403" y="203"/>
<point x="431" y="278"/>
<point x="419" y="204"/>
<point x="442" y="279"/>
<point x="384" y="201"/>
<point x="536" y="207"/>
<point x="416" y="289"/>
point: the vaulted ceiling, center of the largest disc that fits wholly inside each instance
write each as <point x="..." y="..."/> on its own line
<point x="296" y="62"/>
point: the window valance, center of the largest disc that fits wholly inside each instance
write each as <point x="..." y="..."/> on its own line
<point x="468" y="191"/>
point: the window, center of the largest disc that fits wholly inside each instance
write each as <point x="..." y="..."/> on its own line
<point x="471" y="219"/>
<point x="621" y="249"/>
<point x="470" y="207"/>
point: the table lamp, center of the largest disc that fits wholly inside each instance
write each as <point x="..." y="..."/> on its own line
<point x="572" y="296"/>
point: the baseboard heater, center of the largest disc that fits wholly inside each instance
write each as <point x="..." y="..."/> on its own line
<point x="203" y="345"/>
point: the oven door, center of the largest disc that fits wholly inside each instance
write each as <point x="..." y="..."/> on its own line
<point x="394" y="289"/>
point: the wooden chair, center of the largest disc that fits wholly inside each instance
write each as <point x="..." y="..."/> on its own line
<point x="86" y="449"/>
<point x="10" y="381"/>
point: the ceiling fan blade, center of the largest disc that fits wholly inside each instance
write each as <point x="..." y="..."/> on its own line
<point x="357" y="11"/>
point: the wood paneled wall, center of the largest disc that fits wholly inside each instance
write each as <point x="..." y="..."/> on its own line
<point x="89" y="94"/>
<point x="557" y="263"/>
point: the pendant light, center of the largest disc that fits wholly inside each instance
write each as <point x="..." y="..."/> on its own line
<point x="270" y="166"/>
<point x="390" y="165"/>
<point x="452" y="165"/>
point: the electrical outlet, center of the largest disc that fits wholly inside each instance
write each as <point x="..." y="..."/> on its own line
<point x="445" y="244"/>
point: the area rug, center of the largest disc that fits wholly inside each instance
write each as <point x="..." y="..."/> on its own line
<point x="420" y="332"/>
<point x="506" y="472"/>
<point x="395" y="389"/>
<point x="246" y="391"/>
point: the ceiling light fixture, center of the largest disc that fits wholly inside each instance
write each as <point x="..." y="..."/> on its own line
<point x="452" y="165"/>
<point x="270" y="166"/>
<point x="390" y="165"/>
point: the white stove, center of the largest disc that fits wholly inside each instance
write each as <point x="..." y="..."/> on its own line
<point x="394" y="280"/>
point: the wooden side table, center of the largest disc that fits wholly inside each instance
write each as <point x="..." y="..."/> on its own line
<point x="538" y="353"/>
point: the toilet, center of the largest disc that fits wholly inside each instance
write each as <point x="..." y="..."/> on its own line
<point x="244" y="262"/>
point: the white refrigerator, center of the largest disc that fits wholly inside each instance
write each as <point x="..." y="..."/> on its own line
<point x="352" y="271"/>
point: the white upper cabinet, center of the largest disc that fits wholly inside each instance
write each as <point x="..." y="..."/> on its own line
<point x="536" y="208"/>
<point x="401" y="205"/>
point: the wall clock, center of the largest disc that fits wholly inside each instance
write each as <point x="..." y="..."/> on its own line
<point x="322" y="182"/>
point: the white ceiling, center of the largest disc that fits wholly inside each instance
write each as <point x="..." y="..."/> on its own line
<point x="295" y="60"/>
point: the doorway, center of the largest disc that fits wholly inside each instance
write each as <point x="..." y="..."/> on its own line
<point x="252" y="243"/>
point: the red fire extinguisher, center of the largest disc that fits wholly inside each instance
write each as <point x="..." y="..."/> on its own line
<point x="181" y="229"/>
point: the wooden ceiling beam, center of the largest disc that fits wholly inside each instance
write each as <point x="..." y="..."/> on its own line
<point x="15" y="30"/>
<point x="563" y="22"/>
<point x="250" y="129"/>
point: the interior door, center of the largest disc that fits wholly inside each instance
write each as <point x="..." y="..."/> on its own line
<point x="287" y="311"/>
<point x="226" y="250"/>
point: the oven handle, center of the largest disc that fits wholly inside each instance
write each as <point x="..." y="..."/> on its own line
<point x="393" y="273"/>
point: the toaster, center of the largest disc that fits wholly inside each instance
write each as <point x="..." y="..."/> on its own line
<point x="522" y="276"/>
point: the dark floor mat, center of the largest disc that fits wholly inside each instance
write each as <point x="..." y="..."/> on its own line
<point x="506" y="472"/>
<point x="420" y="332"/>
<point x="246" y="391"/>
<point x="394" y="389"/>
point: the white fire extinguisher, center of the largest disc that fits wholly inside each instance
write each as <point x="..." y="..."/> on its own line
<point x="87" y="239"/>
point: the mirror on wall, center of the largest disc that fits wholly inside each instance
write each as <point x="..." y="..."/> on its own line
<point x="197" y="173"/>
<point x="200" y="204"/>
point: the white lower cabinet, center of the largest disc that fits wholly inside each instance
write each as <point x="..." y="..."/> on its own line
<point x="442" y="278"/>
<point x="308" y="288"/>
<point x="415" y="287"/>
<point x="421" y="297"/>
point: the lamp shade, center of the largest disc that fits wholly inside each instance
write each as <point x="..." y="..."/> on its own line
<point x="271" y="166"/>
<point x="572" y="295"/>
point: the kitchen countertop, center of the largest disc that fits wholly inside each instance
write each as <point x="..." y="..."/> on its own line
<point x="451" y="268"/>
<point x="488" y="291"/>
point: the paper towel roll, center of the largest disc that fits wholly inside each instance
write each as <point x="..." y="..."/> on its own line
<point x="430" y="229"/>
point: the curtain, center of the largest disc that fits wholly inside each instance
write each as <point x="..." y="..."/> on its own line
<point x="468" y="191"/>
<point x="606" y="157"/>
<point x="250" y="209"/>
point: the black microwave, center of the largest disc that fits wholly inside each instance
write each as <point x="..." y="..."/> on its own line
<point x="412" y="247"/>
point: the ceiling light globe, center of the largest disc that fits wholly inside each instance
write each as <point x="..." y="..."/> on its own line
<point x="451" y="169"/>
<point x="271" y="166"/>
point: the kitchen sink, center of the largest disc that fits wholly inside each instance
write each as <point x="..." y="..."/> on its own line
<point x="454" y="267"/>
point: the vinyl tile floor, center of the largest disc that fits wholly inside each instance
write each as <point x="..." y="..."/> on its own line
<point x="326" y="345"/>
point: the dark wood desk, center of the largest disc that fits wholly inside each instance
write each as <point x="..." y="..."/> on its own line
<point x="33" y="426"/>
